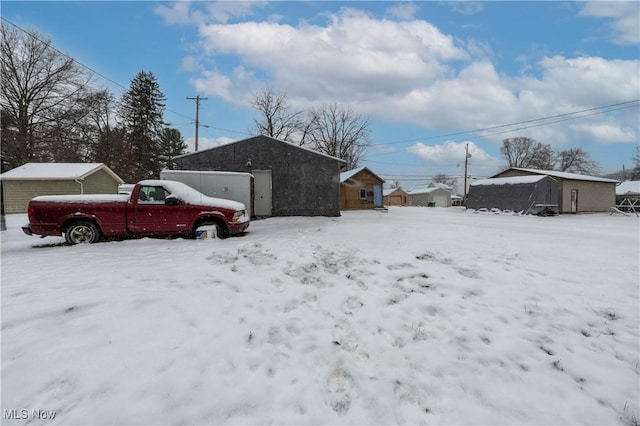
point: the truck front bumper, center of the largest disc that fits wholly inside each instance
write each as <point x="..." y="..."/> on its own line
<point x="237" y="228"/>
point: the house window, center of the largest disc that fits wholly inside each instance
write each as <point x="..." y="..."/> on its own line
<point x="363" y="194"/>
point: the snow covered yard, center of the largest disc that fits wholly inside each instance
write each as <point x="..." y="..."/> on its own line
<point x="418" y="316"/>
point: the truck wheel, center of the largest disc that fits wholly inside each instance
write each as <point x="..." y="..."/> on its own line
<point x="221" y="230"/>
<point x="81" y="231"/>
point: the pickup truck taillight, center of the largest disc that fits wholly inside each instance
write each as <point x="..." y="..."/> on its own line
<point x="31" y="211"/>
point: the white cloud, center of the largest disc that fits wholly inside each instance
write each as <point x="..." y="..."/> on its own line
<point x="624" y="18"/>
<point x="452" y="154"/>
<point x="186" y="12"/>
<point x="411" y="72"/>
<point x="215" y="83"/>
<point x="224" y="11"/>
<point x="404" y="11"/>
<point x="467" y="7"/>
<point x="354" y="57"/>
<point x="190" y="63"/>
<point x="207" y="142"/>
<point x="178" y="13"/>
<point x="607" y="133"/>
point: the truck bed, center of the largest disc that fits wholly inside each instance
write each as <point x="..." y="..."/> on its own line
<point x="48" y="213"/>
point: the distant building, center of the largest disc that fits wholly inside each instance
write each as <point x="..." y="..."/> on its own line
<point x="628" y="195"/>
<point x="395" y="197"/>
<point x="30" y="180"/>
<point x="565" y="192"/>
<point x="360" y="189"/>
<point x="431" y="195"/>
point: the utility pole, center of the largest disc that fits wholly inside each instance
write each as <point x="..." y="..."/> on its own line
<point x="466" y="163"/>
<point x="197" y="99"/>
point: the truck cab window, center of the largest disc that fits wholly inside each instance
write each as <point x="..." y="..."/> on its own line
<point x="153" y="194"/>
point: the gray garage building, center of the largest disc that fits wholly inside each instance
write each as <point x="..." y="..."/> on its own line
<point x="575" y="193"/>
<point x="289" y="180"/>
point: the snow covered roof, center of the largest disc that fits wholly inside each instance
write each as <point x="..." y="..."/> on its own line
<point x="345" y="176"/>
<point x="628" y="187"/>
<point x="426" y="189"/>
<point x="61" y="171"/>
<point x="389" y="191"/>
<point x="441" y="185"/>
<point x="267" y="137"/>
<point x="515" y="180"/>
<point x="565" y="175"/>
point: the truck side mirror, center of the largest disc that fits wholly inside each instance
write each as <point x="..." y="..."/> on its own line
<point x="172" y="201"/>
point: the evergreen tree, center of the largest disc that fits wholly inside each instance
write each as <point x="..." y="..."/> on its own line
<point x="142" y="109"/>
<point x="172" y="144"/>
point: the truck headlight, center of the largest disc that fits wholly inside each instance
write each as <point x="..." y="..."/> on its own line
<point x="237" y="216"/>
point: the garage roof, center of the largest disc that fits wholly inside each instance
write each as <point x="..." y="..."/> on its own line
<point x="60" y="171"/>
<point x="562" y="175"/>
<point x="515" y="180"/>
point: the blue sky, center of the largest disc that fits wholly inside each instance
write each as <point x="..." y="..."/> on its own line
<point x="429" y="75"/>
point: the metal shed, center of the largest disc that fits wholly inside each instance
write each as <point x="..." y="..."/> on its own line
<point x="576" y="193"/>
<point x="527" y="194"/>
<point x="289" y="180"/>
<point x="30" y="180"/>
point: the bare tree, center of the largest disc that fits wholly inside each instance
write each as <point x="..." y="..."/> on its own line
<point x="527" y="153"/>
<point x="276" y="120"/>
<point x="339" y="132"/>
<point x="543" y="158"/>
<point x="444" y="178"/>
<point x="41" y="94"/>
<point x="576" y="160"/>
<point x="108" y="138"/>
<point x="635" y="174"/>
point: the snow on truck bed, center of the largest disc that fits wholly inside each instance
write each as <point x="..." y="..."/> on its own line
<point x="84" y="198"/>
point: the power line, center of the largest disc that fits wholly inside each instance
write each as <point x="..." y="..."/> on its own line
<point x="51" y="46"/>
<point x="413" y="148"/>
<point x="518" y="123"/>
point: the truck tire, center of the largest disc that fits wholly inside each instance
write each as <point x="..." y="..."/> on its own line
<point x="221" y="232"/>
<point x="81" y="232"/>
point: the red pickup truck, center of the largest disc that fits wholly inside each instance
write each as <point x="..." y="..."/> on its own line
<point x="154" y="208"/>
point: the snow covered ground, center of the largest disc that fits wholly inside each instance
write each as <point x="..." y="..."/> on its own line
<point x="416" y="316"/>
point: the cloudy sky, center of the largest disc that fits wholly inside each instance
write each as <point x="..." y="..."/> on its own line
<point x="431" y="77"/>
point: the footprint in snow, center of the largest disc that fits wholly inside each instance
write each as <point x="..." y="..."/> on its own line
<point x="351" y="304"/>
<point x="343" y="336"/>
<point x="340" y="384"/>
<point x="398" y="266"/>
